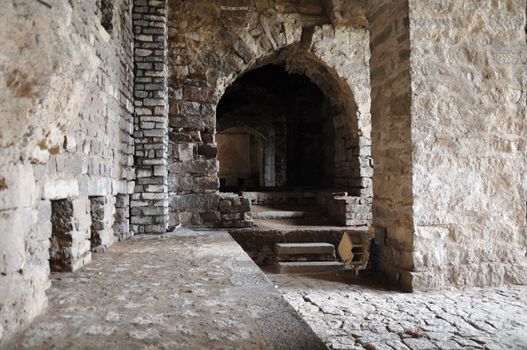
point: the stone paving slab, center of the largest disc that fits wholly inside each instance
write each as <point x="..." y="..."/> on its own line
<point x="348" y="316"/>
<point x="189" y="290"/>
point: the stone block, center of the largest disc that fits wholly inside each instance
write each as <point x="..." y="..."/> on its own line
<point x="99" y="186"/>
<point x="61" y="189"/>
<point x="210" y="218"/>
<point x="12" y="246"/>
<point x="17" y="188"/>
<point x="43" y="227"/>
<point x="194" y="201"/>
<point x="208" y="151"/>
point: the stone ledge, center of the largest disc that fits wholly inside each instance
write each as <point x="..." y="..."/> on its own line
<point x="208" y="293"/>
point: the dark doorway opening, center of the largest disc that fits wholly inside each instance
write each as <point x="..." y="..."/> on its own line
<point x="275" y="131"/>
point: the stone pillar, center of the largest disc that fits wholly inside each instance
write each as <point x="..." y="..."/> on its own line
<point x="121" y="220"/>
<point x="101" y="211"/>
<point x="391" y="135"/>
<point x="448" y="110"/>
<point x="149" y="205"/>
<point x="70" y="237"/>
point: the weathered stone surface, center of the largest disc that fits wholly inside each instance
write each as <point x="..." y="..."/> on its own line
<point x="234" y="211"/>
<point x="65" y="104"/>
<point x="442" y="142"/>
<point x="151" y="114"/>
<point x="484" y="227"/>
<point x="206" y="56"/>
<point x="350" y="316"/>
<point x="118" y="99"/>
<point x="209" y="294"/>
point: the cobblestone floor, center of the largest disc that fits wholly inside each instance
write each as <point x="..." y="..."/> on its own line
<point x="349" y="316"/>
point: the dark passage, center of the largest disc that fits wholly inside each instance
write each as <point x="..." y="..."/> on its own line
<point x="274" y="131"/>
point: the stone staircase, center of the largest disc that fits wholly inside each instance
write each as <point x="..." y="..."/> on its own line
<point x="293" y="236"/>
<point x="306" y="258"/>
<point x="289" y="215"/>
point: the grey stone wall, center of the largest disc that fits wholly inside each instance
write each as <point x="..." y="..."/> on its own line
<point x="121" y="219"/>
<point x="66" y="104"/>
<point x="102" y="215"/>
<point x="346" y="210"/>
<point x="70" y="235"/>
<point x="234" y="211"/>
<point x="149" y="213"/>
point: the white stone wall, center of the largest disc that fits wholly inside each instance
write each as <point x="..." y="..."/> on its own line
<point x="448" y="130"/>
<point x="65" y="104"/>
<point x="468" y="67"/>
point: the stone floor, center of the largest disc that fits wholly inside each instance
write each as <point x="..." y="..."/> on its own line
<point x="190" y="290"/>
<point x="349" y="316"/>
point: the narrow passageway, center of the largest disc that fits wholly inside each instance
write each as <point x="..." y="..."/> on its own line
<point x="190" y="290"/>
<point x="275" y="130"/>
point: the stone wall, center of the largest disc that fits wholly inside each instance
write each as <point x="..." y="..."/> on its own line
<point x="391" y="136"/>
<point x="448" y="83"/>
<point x="70" y="235"/>
<point x="219" y="41"/>
<point x="345" y="210"/>
<point x="448" y="118"/>
<point x="235" y="211"/>
<point x="102" y="215"/>
<point x="149" y="204"/>
<point x="468" y="135"/>
<point x="66" y="107"/>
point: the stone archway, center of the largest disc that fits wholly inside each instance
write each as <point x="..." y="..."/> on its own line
<point x="215" y="47"/>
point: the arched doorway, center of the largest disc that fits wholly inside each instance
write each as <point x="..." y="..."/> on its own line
<point x="275" y="131"/>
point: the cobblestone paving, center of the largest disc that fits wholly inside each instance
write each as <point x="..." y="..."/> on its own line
<point x="358" y="317"/>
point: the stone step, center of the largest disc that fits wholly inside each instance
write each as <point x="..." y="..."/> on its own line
<point x="304" y="248"/>
<point x="306" y="267"/>
<point x="305" y="252"/>
<point x="284" y="214"/>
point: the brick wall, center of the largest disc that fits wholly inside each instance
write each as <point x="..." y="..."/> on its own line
<point x="149" y="213"/>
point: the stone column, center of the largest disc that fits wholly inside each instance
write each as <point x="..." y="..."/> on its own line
<point x="149" y="205"/>
<point x="469" y="65"/>
<point x="391" y="135"/>
<point x="448" y="109"/>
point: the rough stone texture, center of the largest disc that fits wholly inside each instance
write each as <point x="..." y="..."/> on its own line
<point x="468" y="144"/>
<point x="447" y="128"/>
<point x="121" y="220"/>
<point x="392" y="180"/>
<point x="70" y="235"/>
<point x="101" y="222"/>
<point x="346" y="210"/>
<point x="219" y="41"/>
<point x="235" y="210"/>
<point x="189" y="290"/>
<point x="149" y="213"/>
<point x="65" y="105"/>
<point x="354" y="317"/>
<point x="448" y="120"/>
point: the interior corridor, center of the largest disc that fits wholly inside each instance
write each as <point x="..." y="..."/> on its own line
<point x="200" y="290"/>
